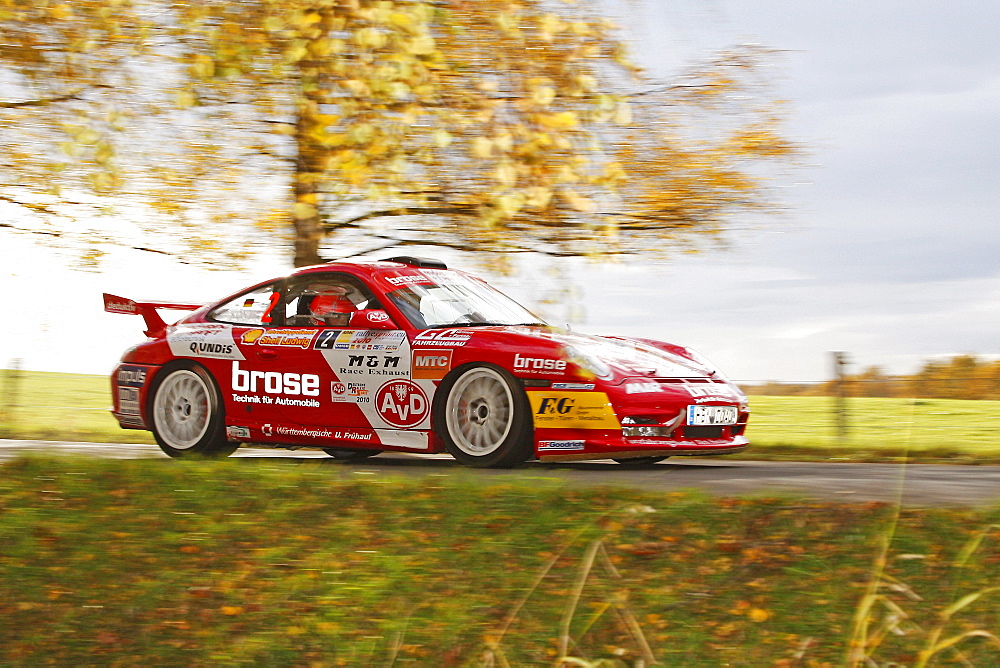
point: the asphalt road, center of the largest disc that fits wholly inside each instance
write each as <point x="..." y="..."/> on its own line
<point x="918" y="484"/>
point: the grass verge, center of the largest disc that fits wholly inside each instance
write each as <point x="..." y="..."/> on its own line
<point x="228" y="563"/>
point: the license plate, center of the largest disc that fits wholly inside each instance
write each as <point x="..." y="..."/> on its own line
<point x="711" y="415"/>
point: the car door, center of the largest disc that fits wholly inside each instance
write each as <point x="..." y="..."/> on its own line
<point x="354" y="366"/>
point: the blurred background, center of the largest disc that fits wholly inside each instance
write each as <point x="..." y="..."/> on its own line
<point x="874" y="235"/>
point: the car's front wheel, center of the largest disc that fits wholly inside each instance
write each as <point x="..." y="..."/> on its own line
<point x="484" y="418"/>
<point x="187" y="414"/>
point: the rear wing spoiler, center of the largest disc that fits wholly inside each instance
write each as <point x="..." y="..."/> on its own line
<point x="154" y="323"/>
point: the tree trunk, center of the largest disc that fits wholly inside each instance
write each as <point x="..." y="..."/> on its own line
<point x="308" y="172"/>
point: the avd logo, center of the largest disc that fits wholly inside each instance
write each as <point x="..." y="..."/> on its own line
<point x="401" y="403"/>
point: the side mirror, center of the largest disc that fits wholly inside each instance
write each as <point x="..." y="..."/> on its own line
<point x="372" y="318"/>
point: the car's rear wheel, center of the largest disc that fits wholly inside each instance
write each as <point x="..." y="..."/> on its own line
<point x="641" y="462"/>
<point x="348" y="455"/>
<point x="484" y="417"/>
<point x="187" y="414"/>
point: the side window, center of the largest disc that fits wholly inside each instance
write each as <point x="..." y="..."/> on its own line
<point x="250" y="308"/>
<point x="325" y="300"/>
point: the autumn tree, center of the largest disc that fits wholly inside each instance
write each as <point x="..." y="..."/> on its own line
<point x="487" y="125"/>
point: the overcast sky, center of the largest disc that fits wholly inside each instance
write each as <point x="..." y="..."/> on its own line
<point x="889" y="252"/>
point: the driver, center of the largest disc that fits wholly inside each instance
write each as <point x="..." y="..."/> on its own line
<point x="330" y="306"/>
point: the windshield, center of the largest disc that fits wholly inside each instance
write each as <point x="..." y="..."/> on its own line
<point x="453" y="300"/>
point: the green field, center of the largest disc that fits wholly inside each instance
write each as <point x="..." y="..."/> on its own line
<point x="53" y="406"/>
<point x="167" y="562"/>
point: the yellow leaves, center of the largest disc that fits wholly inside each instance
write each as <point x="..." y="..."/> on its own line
<point x="422" y="45"/>
<point x="357" y="87"/>
<point x="482" y="147"/>
<point x="505" y="173"/>
<point x="623" y="113"/>
<point x="442" y="138"/>
<point x="61" y="12"/>
<point x="202" y="68"/>
<point x="231" y="610"/>
<point x="370" y="38"/>
<point x="324" y="47"/>
<point x="543" y="95"/>
<point x="185" y="99"/>
<point x="760" y="142"/>
<point x="509" y="204"/>
<point x="549" y="26"/>
<point x="537" y="197"/>
<point x="578" y="202"/>
<point x="304" y="211"/>
<point x="758" y="615"/>
<point x="508" y="22"/>
<point x="297" y="51"/>
<point x="566" y="120"/>
<point x="566" y="174"/>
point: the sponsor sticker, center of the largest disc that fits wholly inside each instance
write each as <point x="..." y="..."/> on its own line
<point x="561" y="445"/>
<point x="318" y="433"/>
<point x="287" y="387"/>
<point x="407" y="279"/>
<point x="238" y="433"/>
<point x="131" y="376"/>
<point x="297" y="338"/>
<point x="572" y="386"/>
<point x="361" y="339"/>
<point x="711" y="392"/>
<point x="443" y="337"/>
<point x="573" y="410"/>
<point x="539" y="365"/>
<point x="642" y="387"/>
<point x="128" y="400"/>
<point x="431" y="364"/>
<point x="373" y="365"/>
<point x="349" y="392"/>
<point x="204" y="340"/>
<point x="401" y="403"/>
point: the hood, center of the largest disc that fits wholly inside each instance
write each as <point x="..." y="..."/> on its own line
<point x="609" y="358"/>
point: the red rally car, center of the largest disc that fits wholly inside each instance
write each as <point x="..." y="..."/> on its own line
<point x="404" y="354"/>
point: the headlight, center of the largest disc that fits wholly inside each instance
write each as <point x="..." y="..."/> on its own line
<point x="590" y="363"/>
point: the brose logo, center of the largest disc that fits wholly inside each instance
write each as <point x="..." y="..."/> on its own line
<point x="540" y="364"/>
<point x="275" y="382"/>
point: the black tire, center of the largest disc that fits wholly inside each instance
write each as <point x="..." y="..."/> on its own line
<point x="348" y="455"/>
<point x="186" y="413"/>
<point x="482" y="414"/>
<point x="641" y="462"/>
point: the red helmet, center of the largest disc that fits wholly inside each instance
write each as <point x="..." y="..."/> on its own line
<point x="327" y="305"/>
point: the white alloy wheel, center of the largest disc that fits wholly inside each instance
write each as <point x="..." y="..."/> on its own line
<point x="182" y="409"/>
<point x="479" y="412"/>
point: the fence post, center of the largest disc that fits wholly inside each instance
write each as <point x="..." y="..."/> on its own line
<point x="11" y="394"/>
<point x="840" y="362"/>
